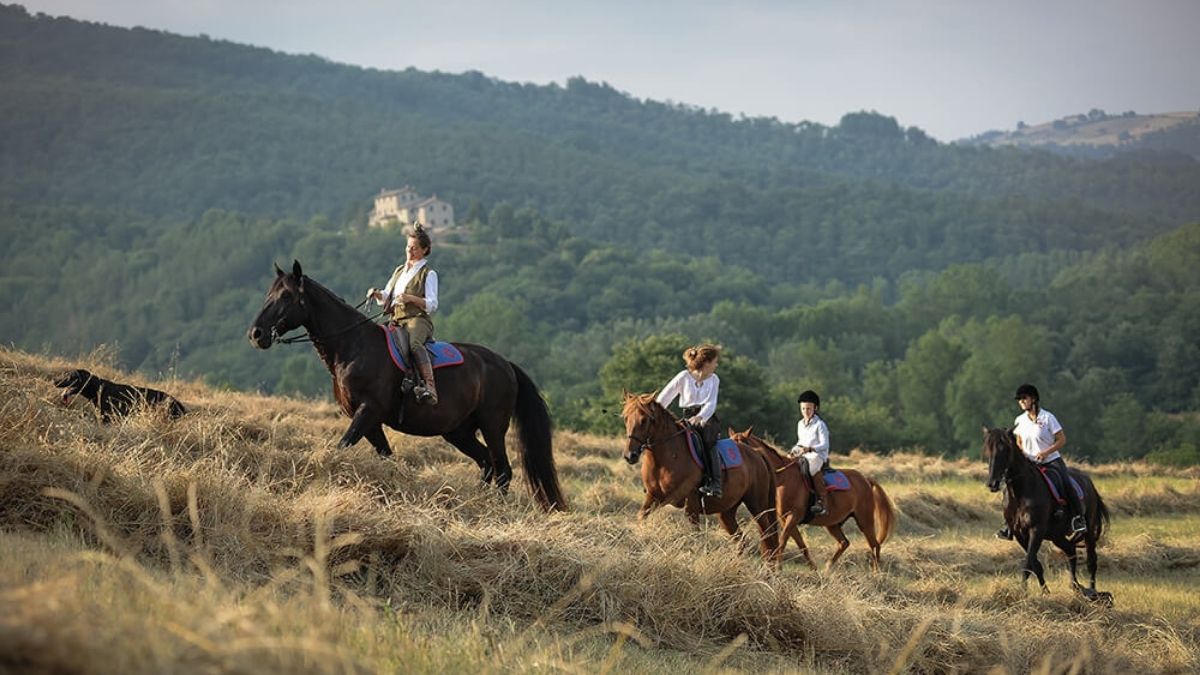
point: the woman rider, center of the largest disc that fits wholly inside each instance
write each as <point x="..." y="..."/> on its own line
<point x="411" y="295"/>
<point x="697" y="386"/>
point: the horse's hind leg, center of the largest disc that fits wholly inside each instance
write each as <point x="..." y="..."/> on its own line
<point x="464" y="439"/>
<point x="843" y="544"/>
<point x="379" y="441"/>
<point x="864" y="517"/>
<point x="493" y="437"/>
<point x="1068" y="549"/>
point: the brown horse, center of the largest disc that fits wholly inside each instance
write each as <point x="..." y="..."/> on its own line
<point x="480" y="396"/>
<point x="671" y="477"/>
<point x="865" y="501"/>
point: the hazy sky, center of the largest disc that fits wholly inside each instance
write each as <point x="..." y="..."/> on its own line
<point x="952" y="67"/>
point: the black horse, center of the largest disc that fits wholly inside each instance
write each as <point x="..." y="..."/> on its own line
<point x="1029" y="510"/>
<point x="481" y="395"/>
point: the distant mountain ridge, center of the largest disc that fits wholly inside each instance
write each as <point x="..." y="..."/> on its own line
<point x="1098" y="134"/>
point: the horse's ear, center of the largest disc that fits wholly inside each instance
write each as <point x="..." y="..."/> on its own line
<point x="730" y="432"/>
<point x="296" y="271"/>
<point x="750" y="430"/>
<point x="278" y="272"/>
<point x="625" y="395"/>
<point x="985" y="430"/>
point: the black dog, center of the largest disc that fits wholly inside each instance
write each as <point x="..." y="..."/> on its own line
<point x="113" y="398"/>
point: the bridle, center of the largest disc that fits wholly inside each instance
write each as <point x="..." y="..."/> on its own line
<point x="309" y="336"/>
<point x="648" y="443"/>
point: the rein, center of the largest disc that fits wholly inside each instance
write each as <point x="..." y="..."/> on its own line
<point x="309" y="337"/>
<point x="647" y="444"/>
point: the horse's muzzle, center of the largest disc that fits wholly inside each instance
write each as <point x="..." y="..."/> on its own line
<point x="260" y="338"/>
<point x="993" y="485"/>
<point x="633" y="456"/>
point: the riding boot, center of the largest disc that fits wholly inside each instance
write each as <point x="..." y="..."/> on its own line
<point x="1077" y="522"/>
<point x="818" y="482"/>
<point x="427" y="392"/>
<point x="712" y="484"/>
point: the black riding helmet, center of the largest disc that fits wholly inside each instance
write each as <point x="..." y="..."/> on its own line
<point x="809" y="396"/>
<point x="1027" y="390"/>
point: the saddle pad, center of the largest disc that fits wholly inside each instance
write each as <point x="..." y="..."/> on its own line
<point x="1054" y="489"/>
<point x="727" y="450"/>
<point x="835" y="481"/>
<point x="442" y="354"/>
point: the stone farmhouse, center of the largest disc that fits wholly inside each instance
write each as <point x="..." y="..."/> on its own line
<point x="405" y="207"/>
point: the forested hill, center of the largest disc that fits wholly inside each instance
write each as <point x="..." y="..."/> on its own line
<point x="169" y="125"/>
<point x="148" y="181"/>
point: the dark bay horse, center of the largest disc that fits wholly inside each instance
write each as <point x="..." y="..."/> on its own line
<point x="865" y="501"/>
<point x="481" y="395"/>
<point x="671" y="477"/>
<point x="1029" y="511"/>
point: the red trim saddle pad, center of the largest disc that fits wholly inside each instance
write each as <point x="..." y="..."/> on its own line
<point x="441" y="354"/>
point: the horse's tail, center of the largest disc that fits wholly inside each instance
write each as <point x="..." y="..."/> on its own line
<point x="534" y="430"/>
<point x="885" y="512"/>
<point x="1102" y="511"/>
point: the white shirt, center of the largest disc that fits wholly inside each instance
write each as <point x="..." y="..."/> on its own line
<point x="691" y="392"/>
<point x="813" y="435"/>
<point x="1037" y="435"/>
<point x="401" y="282"/>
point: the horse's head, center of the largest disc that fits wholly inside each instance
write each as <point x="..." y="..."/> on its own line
<point x="999" y="448"/>
<point x="284" y="309"/>
<point x="645" y="422"/>
<point x="748" y="438"/>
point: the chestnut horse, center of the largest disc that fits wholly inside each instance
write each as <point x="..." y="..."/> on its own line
<point x="671" y="476"/>
<point x="865" y="501"/>
<point x="480" y="396"/>
<point x="1029" y="511"/>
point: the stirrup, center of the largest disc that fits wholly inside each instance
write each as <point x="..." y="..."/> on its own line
<point x="818" y="508"/>
<point x="1077" y="525"/>
<point x="711" y="489"/>
<point x="422" y="394"/>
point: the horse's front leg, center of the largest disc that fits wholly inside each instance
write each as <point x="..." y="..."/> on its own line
<point x="730" y="524"/>
<point x="365" y="419"/>
<point x="1032" y="564"/>
<point x="648" y="505"/>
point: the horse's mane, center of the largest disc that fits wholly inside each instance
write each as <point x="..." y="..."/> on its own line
<point x="311" y="283"/>
<point x="748" y="435"/>
<point x="646" y="404"/>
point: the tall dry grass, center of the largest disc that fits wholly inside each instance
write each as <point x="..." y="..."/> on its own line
<point x="239" y="539"/>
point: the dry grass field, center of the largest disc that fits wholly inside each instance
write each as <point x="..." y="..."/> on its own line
<point x="239" y="540"/>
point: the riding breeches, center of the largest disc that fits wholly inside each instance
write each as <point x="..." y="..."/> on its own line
<point x="812" y="461"/>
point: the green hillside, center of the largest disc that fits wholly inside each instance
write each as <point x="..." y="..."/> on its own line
<point x="148" y="181"/>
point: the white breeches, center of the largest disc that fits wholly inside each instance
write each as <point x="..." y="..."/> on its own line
<point x="813" y="461"/>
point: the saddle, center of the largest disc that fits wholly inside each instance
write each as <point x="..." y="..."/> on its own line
<point x="441" y="354"/>
<point x="1055" y="489"/>
<point x="727" y="450"/>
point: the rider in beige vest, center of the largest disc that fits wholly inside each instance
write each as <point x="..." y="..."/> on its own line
<point x="410" y="296"/>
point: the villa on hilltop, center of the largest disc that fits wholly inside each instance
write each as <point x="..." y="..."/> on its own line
<point x="405" y="207"/>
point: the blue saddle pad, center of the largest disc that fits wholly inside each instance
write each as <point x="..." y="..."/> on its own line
<point x="835" y="480"/>
<point x="442" y="354"/>
<point x="727" y="450"/>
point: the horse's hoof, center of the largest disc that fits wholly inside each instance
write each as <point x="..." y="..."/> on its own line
<point x="1103" y="597"/>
